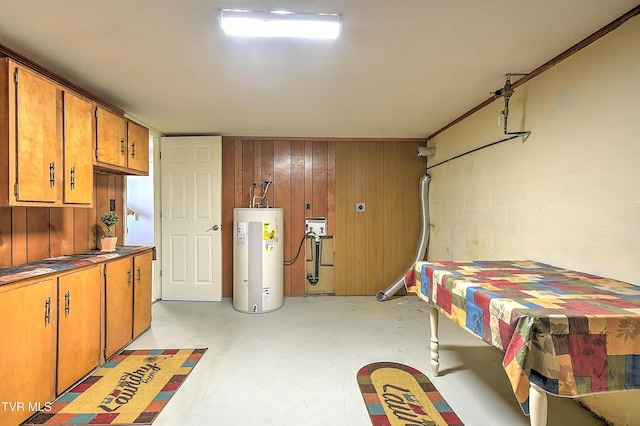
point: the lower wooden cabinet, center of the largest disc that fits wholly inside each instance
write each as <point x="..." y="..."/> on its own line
<point x="78" y="325"/>
<point x="141" y="293"/>
<point x="28" y="356"/>
<point x="56" y="329"/>
<point x="118" y="305"/>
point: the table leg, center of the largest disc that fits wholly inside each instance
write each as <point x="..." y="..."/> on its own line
<point x="435" y="346"/>
<point x="538" y="405"/>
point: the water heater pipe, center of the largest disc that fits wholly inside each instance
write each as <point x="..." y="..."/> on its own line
<point x="422" y="245"/>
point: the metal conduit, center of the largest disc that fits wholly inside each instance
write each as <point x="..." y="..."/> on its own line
<point x="422" y="245"/>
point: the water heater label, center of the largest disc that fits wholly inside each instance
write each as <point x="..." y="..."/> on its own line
<point x="269" y="232"/>
<point x="269" y="236"/>
<point x="241" y="234"/>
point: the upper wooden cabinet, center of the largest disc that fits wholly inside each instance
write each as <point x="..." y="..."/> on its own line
<point x="111" y="139"/>
<point x="138" y="147"/>
<point x="122" y="146"/>
<point x="45" y="141"/>
<point x="31" y="153"/>
<point x="78" y="149"/>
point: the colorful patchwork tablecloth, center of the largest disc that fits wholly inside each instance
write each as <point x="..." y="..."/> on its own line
<point x="567" y="332"/>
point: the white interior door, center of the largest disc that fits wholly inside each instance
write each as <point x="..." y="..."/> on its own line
<point x="191" y="170"/>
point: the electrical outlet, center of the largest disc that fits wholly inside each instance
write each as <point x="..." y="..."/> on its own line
<point x="317" y="225"/>
<point x="112" y="205"/>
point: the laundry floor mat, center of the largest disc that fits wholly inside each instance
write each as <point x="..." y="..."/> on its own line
<point x="131" y="388"/>
<point x="396" y="394"/>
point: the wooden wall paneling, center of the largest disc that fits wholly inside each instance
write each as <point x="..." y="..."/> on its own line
<point x="101" y="205"/>
<point x="308" y="178"/>
<point x="256" y="174"/>
<point x="298" y="214"/>
<point x="241" y="197"/>
<point x="82" y="236"/>
<point x="390" y="213"/>
<point x="282" y="199"/>
<point x="319" y="178"/>
<point x="331" y="188"/>
<point x="374" y="260"/>
<point x="266" y="170"/>
<point x="360" y="219"/>
<point x="61" y="231"/>
<point x="37" y="233"/>
<point x="247" y="171"/>
<point x="5" y="236"/>
<point x="351" y="220"/>
<point x="340" y="227"/>
<point x="18" y="235"/>
<point x="228" y="201"/>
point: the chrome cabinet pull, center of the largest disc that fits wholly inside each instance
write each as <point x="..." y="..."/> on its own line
<point x="47" y="311"/>
<point x="133" y="150"/>
<point x="52" y="174"/>
<point x="73" y="177"/>
<point x="122" y="146"/>
<point x="67" y="303"/>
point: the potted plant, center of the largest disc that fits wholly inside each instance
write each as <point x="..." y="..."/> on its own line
<point x="108" y="241"/>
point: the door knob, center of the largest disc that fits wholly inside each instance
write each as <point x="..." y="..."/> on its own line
<point x="213" y="228"/>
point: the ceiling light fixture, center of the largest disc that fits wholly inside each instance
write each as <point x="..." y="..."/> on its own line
<point x="279" y="23"/>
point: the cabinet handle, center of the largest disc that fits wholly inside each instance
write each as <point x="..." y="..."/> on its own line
<point x="138" y="274"/>
<point x="129" y="277"/>
<point x="122" y="146"/>
<point x="133" y="150"/>
<point x="67" y="303"/>
<point x="73" y="177"/>
<point x="52" y="174"/>
<point x="47" y="311"/>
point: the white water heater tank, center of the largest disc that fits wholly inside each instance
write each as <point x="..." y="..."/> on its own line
<point x="258" y="267"/>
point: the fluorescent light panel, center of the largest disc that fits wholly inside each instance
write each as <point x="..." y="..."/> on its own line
<point x="278" y="24"/>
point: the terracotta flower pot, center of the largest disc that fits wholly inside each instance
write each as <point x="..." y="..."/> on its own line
<point x="108" y="243"/>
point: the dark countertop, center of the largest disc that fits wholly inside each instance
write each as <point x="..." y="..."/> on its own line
<point x="52" y="265"/>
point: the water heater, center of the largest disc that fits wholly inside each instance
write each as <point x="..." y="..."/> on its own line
<point x="258" y="267"/>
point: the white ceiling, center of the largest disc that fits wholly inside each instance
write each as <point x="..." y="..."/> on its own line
<point x="399" y="69"/>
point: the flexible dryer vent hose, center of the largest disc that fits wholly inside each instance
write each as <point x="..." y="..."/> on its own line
<point x="422" y="245"/>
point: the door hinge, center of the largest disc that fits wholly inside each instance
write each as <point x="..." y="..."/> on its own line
<point x="15" y="75"/>
<point x="95" y="112"/>
<point x="16" y="190"/>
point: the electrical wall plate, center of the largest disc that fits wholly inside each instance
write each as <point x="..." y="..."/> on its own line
<point x="317" y="225"/>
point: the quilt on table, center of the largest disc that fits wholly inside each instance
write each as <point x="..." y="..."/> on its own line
<point x="568" y="332"/>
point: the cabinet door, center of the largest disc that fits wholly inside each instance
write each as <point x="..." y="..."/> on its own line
<point x="111" y="148"/>
<point x="78" y="325"/>
<point x="141" y="293"/>
<point x="78" y="149"/>
<point x="118" y="305"/>
<point x="27" y="359"/>
<point x="138" y="147"/>
<point x="38" y="169"/>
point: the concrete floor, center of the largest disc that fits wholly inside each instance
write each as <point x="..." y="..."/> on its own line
<point x="298" y="365"/>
